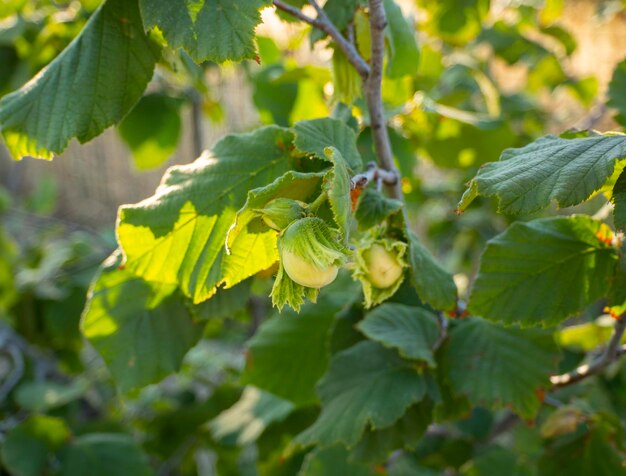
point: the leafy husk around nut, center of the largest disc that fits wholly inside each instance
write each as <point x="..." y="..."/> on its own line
<point x="380" y="267"/>
<point x="310" y="256"/>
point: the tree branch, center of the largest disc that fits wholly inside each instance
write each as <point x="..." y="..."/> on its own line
<point x="373" y="87"/>
<point x="323" y="23"/>
<point x="612" y="353"/>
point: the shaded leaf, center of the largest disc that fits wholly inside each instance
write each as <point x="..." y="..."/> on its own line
<point x="141" y="330"/>
<point x="289" y="353"/>
<point x="90" y="86"/>
<point x="543" y="271"/>
<point x="500" y="365"/>
<point x="434" y="285"/>
<point x="618" y="198"/>
<point x="333" y="461"/>
<point x="365" y="385"/>
<point x="411" y="330"/>
<point x="104" y="454"/>
<point x="373" y="208"/>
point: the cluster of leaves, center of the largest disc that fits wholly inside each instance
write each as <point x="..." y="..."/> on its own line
<point x="396" y="379"/>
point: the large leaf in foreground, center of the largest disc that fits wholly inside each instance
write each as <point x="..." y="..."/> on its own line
<point x="214" y="30"/>
<point x="365" y="385"/>
<point x="500" y="365"/>
<point x="543" y="271"/>
<point x="141" y="330"/>
<point x="566" y="170"/>
<point x="411" y="330"/>
<point x="90" y="86"/>
<point x="177" y="235"/>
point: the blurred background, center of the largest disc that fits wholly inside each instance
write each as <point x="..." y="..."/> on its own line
<point x="92" y="180"/>
<point x="491" y="75"/>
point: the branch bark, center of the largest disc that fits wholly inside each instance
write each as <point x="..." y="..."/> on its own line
<point x="373" y="88"/>
<point x="612" y="353"/>
<point x="323" y="23"/>
<point x="371" y="74"/>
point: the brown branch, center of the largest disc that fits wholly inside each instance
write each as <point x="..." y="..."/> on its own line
<point x="373" y="174"/>
<point x="373" y="86"/>
<point x="613" y="352"/>
<point x="323" y="23"/>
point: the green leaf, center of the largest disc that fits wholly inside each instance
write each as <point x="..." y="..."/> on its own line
<point x="314" y="136"/>
<point x="616" y="96"/>
<point x="294" y="185"/>
<point x="365" y="385"/>
<point x="337" y="185"/>
<point x="591" y="453"/>
<point x="404" y="57"/>
<point x="224" y="304"/>
<point x="372" y="208"/>
<point x="104" y="454"/>
<point x="289" y="353"/>
<point x="567" y="170"/>
<point x="434" y="285"/>
<point x="244" y="422"/>
<point x="500" y="365"/>
<point x="543" y="271"/>
<point x="209" y="30"/>
<point x="274" y="96"/>
<point x="619" y="200"/>
<point x="151" y="130"/>
<point x="177" y="236"/>
<point x="405" y="434"/>
<point x="90" y="86"/>
<point x="410" y="330"/>
<point x="141" y="330"/>
<point x="26" y="447"/>
<point x="333" y="461"/>
<point x="497" y="460"/>
<point x="46" y="395"/>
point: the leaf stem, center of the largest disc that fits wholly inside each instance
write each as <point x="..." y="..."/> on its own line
<point x="322" y="197"/>
<point x="323" y="23"/>
<point x="612" y="353"/>
<point x="373" y="87"/>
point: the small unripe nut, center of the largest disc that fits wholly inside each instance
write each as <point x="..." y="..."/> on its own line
<point x="383" y="267"/>
<point x="306" y="274"/>
<point x="310" y="252"/>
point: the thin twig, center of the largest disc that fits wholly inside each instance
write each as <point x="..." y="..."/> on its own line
<point x="323" y="23"/>
<point x="378" y="22"/>
<point x="613" y="352"/>
<point x="373" y="173"/>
